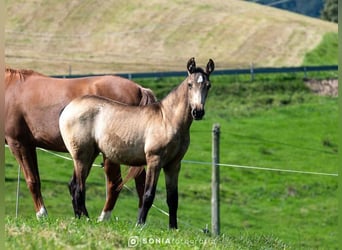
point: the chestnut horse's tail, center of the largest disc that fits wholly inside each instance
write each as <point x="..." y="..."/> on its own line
<point x="133" y="172"/>
<point x="147" y="97"/>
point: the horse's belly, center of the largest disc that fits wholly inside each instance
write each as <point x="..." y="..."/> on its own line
<point x="127" y="157"/>
<point x="124" y="152"/>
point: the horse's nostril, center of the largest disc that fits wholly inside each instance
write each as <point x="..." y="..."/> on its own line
<point x="197" y="114"/>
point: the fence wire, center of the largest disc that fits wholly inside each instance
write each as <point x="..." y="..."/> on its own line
<point x="183" y="161"/>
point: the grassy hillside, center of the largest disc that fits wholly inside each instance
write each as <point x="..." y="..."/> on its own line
<point x="128" y="36"/>
<point x="272" y="123"/>
<point x="325" y="53"/>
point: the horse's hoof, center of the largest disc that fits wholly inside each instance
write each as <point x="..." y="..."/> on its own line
<point x="42" y="213"/>
<point x="78" y="215"/>
<point x="140" y="225"/>
<point x="104" y="216"/>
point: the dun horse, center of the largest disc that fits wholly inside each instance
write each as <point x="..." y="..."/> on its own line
<point x="33" y="103"/>
<point x="155" y="134"/>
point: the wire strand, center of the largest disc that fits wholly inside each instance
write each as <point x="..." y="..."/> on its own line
<point x="261" y="168"/>
<point x="221" y="164"/>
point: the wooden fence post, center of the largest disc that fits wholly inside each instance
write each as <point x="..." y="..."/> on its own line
<point x="215" y="181"/>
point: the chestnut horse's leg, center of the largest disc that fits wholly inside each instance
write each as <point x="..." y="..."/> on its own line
<point x="171" y="180"/>
<point x="114" y="180"/>
<point x="152" y="175"/>
<point x="114" y="185"/>
<point x="26" y="156"/>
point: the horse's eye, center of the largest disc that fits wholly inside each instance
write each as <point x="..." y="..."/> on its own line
<point x="208" y="85"/>
<point x="190" y="85"/>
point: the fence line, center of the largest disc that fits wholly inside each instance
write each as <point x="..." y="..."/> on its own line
<point x="220" y="164"/>
<point x="262" y="168"/>
<point x="64" y="157"/>
<point x="252" y="71"/>
<point x="225" y="165"/>
<point x="215" y="223"/>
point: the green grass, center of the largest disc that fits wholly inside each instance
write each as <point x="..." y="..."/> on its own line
<point x="63" y="233"/>
<point x="273" y="122"/>
<point x="325" y="53"/>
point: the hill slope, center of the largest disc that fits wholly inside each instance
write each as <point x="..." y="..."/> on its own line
<point x="122" y="36"/>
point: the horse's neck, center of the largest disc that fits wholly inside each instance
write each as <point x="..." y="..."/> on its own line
<point x="175" y="107"/>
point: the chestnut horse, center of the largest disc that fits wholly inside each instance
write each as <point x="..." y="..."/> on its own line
<point x="33" y="103"/>
<point x="156" y="134"/>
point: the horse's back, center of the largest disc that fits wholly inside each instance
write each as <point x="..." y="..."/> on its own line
<point x="110" y="126"/>
<point x="86" y="110"/>
<point x="33" y="102"/>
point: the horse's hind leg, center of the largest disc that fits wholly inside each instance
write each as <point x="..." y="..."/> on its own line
<point x="78" y="190"/>
<point x="82" y="166"/>
<point x="26" y="156"/>
<point x="72" y="189"/>
<point x="114" y="180"/>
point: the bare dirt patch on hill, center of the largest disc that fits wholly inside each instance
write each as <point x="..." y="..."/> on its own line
<point x="325" y="87"/>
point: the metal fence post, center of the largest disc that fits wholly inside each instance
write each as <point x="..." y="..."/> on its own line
<point x="17" y="195"/>
<point x="252" y="72"/>
<point x="305" y="75"/>
<point x="215" y="181"/>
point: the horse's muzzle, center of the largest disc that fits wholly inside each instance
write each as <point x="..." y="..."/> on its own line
<point x="197" y="114"/>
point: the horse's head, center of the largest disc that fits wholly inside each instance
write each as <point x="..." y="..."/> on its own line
<point x="199" y="85"/>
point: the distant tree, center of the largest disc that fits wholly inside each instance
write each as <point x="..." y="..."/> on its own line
<point x="330" y="11"/>
<point x="311" y="8"/>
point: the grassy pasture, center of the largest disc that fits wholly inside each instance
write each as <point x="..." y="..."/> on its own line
<point x="273" y="122"/>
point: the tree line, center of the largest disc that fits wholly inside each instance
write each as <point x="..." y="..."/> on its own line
<point x="324" y="9"/>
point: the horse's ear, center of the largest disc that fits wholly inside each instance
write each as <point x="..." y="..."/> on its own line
<point x="210" y="66"/>
<point x="191" y="66"/>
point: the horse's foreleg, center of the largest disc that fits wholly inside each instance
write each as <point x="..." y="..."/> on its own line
<point x="114" y="180"/>
<point x="171" y="180"/>
<point x="26" y="156"/>
<point x="152" y="175"/>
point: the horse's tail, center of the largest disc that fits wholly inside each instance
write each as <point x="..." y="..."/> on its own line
<point x="132" y="173"/>
<point x="147" y="97"/>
